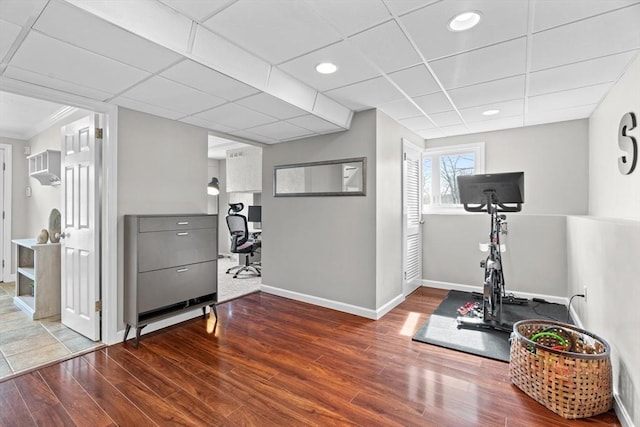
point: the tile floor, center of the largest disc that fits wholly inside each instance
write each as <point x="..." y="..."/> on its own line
<point x="26" y="344"/>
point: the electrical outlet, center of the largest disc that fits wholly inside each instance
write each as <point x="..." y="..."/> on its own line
<point x="584" y="292"/>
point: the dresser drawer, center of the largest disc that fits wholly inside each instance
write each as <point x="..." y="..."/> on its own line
<point x="166" y="223"/>
<point x="164" y="249"/>
<point x="161" y="288"/>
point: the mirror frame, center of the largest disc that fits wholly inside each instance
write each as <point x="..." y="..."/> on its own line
<point x="363" y="160"/>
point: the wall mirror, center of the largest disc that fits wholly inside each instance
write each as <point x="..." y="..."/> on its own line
<point x="344" y="177"/>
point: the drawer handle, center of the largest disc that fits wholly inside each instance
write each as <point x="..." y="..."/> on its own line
<point x="183" y="233"/>
<point x="182" y="270"/>
<point x="183" y="222"/>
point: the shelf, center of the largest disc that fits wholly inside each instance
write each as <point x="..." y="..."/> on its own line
<point x="25" y="303"/>
<point x="45" y="167"/>
<point x="29" y="272"/>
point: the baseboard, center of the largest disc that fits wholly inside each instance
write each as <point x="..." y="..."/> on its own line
<point x="10" y="278"/>
<point x="468" y="288"/>
<point x="621" y="412"/>
<point x="334" y="305"/>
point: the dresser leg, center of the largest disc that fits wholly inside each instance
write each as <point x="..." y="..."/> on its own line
<point x="215" y="312"/>
<point x="138" y="335"/>
<point x="126" y="333"/>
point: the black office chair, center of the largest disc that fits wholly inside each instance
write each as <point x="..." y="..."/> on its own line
<point x="240" y="241"/>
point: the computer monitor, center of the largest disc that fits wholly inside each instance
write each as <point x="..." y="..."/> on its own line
<point x="255" y="214"/>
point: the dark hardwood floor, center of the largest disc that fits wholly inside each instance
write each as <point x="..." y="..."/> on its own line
<point x="277" y="362"/>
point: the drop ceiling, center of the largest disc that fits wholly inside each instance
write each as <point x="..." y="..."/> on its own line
<point x="246" y="68"/>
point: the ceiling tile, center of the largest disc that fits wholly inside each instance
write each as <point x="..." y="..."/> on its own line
<point x="507" y="109"/>
<point x="272" y="106"/>
<point x="387" y="46"/>
<point x="448" y="118"/>
<point x="253" y="136"/>
<point x="433" y="103"/>
<point x="501" y="20"/>
<point x="314" y="124"/>
<point x="53" y="82"/>
<point x="173" y="96"/>
<point x="568" y="98"/>
<point x="203" y="78"/>
<point x="575" y="113"/>
<point x="235" y="116"/>
<point x="275" y="30"/>
<point x="280" y="131"/>
<point x="585" y="73"/>
<point x="482" y="65"/>
<point x="399" y="7"/>
<point x="490" y="92"/>
<point x="156" y="110"/>
<point x="20" y="12"/>
<point x="197" y="121"/>
<point x="352" y="67"/>
<point x="8" y="34"/>
<point x="351" y="16"/>
<point x="77" y="27"/>
<point x="20" y="116"/>
<point x="415" y="81"/>
<point x="547" y="14"/>
<point x="400" y="109"/>
<point x="198" y="9"/>
<point x="74" y="66"/>
<point x="418" y="123"/>
<point x="367" y="94"/>
<point x="491" y="125"/>
<point x="601" y="35"/>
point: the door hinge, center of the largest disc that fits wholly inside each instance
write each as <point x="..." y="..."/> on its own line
<point x="98" y="305"/>
<point x="98" y="133"/>
<point x="405" y="156"/>
<point x="2" y="214"/>
<point x="2" y="263"/>
<point x="405" y="275"/>
<point x="4" y="167"/>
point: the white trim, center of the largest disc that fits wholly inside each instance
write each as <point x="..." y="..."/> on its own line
<point x="334" y="305"/>
<point x="8" y="207"/>
<point x="468" y="288"/>
<point x="621" y="412"/>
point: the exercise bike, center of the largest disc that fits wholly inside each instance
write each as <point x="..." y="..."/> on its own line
<point x="495" y="194"/>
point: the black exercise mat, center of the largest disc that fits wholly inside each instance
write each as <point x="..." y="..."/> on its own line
<point x="442" y="327"/>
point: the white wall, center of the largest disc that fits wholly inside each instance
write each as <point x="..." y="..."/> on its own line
<point x="19" y="182"/>
<point x="44" y="197"/>
<point x="612" y="194"/>
<point x="554" y="158"/>
<point x="162" y="169"/>
<point x="244" y="170"/>
<point x="604" y="247"/>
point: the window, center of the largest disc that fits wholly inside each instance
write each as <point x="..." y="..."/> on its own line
<point x="440" y="168"/>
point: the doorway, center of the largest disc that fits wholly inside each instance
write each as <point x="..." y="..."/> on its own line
<point x="25" y="342"/>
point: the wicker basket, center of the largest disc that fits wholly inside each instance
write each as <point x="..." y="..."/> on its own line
<point x="564" y="368"/>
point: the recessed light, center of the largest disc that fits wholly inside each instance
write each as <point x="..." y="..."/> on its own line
<point x="464" y="21"/>
<point x="326" y="68"/>
<point x="490" y="112"/>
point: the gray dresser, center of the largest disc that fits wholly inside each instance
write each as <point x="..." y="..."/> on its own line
<point x="170" y="266"/>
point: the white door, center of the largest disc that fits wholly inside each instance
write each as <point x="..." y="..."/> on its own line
<point x="411" y="217"/>
<point x="80" y="220"/>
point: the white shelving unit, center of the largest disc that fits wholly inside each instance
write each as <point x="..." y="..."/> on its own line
<point x="37" y="278"/>
<point x="45" y="167"/>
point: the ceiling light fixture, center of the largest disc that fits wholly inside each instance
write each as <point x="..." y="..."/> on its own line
<point x="326" y="68"/>
<point x="490" y="112"/>
<point x="464" y="21"/>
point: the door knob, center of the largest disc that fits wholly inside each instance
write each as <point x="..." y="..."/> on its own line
<point x="62" y="235"/>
